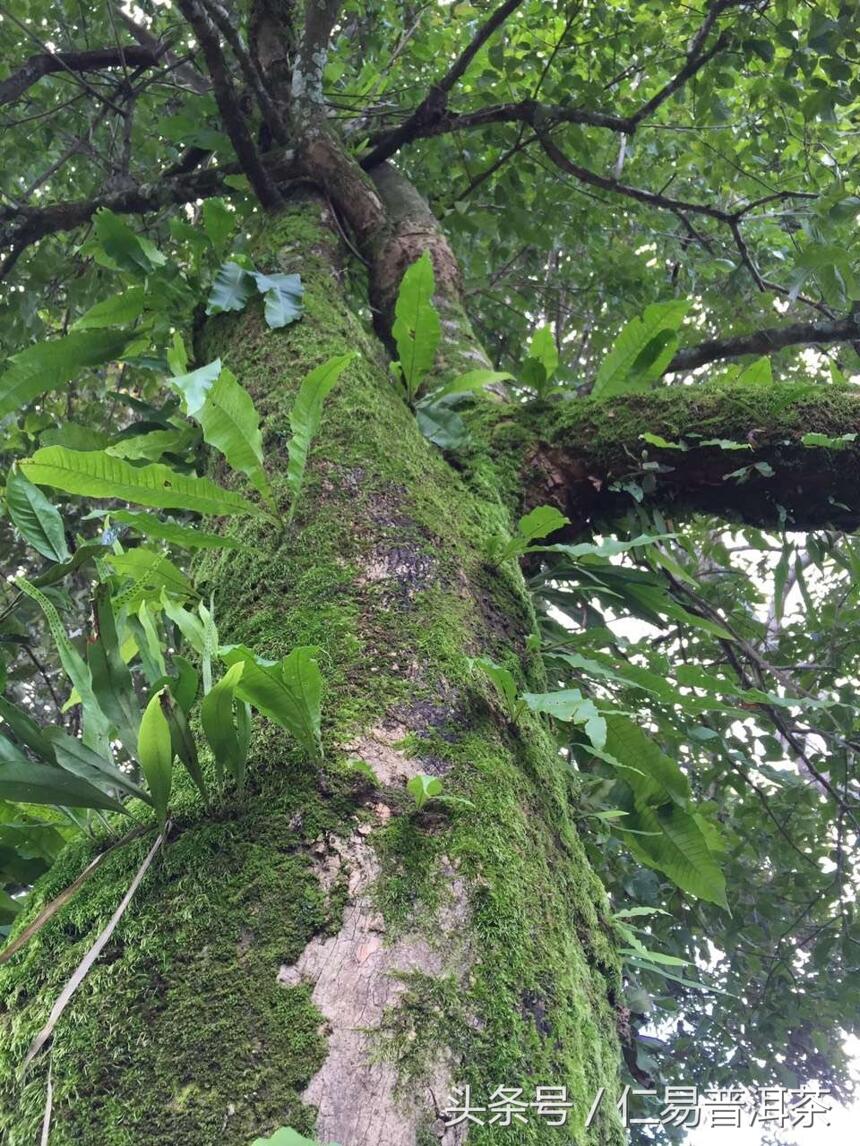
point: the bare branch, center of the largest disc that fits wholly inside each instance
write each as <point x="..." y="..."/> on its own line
<point x="181" y="69"/>
<point x="433" y="106"/>
<point x="221" y="17"/>
<point x="228" y="104"/>
<point x="21" y="226"/>
<point x="307" y="79"/>
<point x="92" y="60"/>
<point x="766" y="342"/>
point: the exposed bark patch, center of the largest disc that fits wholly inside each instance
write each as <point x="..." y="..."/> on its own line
<point x="355" y="980"/>
<point x="403" y="566"/>
<point x="377" y="747"/>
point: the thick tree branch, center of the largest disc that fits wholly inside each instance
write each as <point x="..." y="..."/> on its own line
<point x="228" y="104"/>
<point x="93" y="60"/>
<point x="307" y="79"/>
<point x="766" y="341"/>
<point x="582" y="455"/>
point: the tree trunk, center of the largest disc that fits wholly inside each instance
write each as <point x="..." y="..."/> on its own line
<point x="313" y="953"/>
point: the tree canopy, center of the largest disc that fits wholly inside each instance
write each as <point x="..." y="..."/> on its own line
<point x="653" y="208"/>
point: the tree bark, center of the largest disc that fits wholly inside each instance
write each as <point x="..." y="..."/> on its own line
<point x="312" y="952"/>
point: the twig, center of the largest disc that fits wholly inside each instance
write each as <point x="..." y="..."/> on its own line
<point x="50" y="909"/>
<point x="85" y="965"/>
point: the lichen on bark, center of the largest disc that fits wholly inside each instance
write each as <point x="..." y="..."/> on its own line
<point x="200" y="1024"/>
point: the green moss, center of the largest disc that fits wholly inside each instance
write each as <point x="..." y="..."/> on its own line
<point x="534" y="1005"/>
<point x="602" y="428"/>
<point x="182" y="1032"/>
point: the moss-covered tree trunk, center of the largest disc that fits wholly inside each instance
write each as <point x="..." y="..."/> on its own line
<point x="312" y="952"/>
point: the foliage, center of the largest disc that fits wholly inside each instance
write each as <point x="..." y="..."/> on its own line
<point x="423" y="788"/>
<point x="305" y="419"/>
<point x="416" y="328"/>
<point x="700" y="678"/>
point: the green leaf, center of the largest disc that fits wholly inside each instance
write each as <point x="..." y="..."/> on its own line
<point x="97" y="474"/>
<point x="416" y="330"/>
<point x="543" y="350"/>
<point x="194" y="387"/>
<point x="286" y="1136"/>
<point x="49" y="365"/>
<point x="125" y="249"/>
<point x="38" y="521"/>
<point x="177" y="355"/>
<point x="24" y="729"/>
<point x="305" y="418"/>
<point x="153" y="571"/>
<point x="185" y="686"/>
<point x="111" y="679"/>
<point x="75" y="757"/>
<point x="543" y="520"/>
<point x="725" y="444"/>
<point x="758" y="373"/>
<point x="188" y="624"/>
<point x="33" y="783"/>
<point x="440" y="424"/>
<point x="283" y="294"/>
<point x="117" y="310"/>
<point x="540" y="522"/>
<point x="503" y="681"/>
<point x="816" y="439"/>
<point x="423" y="788"/>
<point x="151" y="445"/>
<point x="570" y="705"/>
<point x="155" y="753"/>
<point x="95" y="724"/>
<point x="210" y="643"/>
<point x="611" y="547"/>
<point x="642" y="350"/>
<point x="660" y="828"/>
<point x="218" y="221"/>
<point x="184" y="536"/>
<point x="182" y="739"/>
<point x="287" y="691"/>
<point x="149" y="643"/>
<point x="661" y="443"/>
<point x="75" y="437"/>
<point x="472" y="380"/>
<point x="231" y="424"/>
<point x="232" y="289"/>
<point x="226" y="724"/>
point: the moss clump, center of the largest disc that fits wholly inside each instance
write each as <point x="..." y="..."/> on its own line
<point x="181" y="1030"/>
